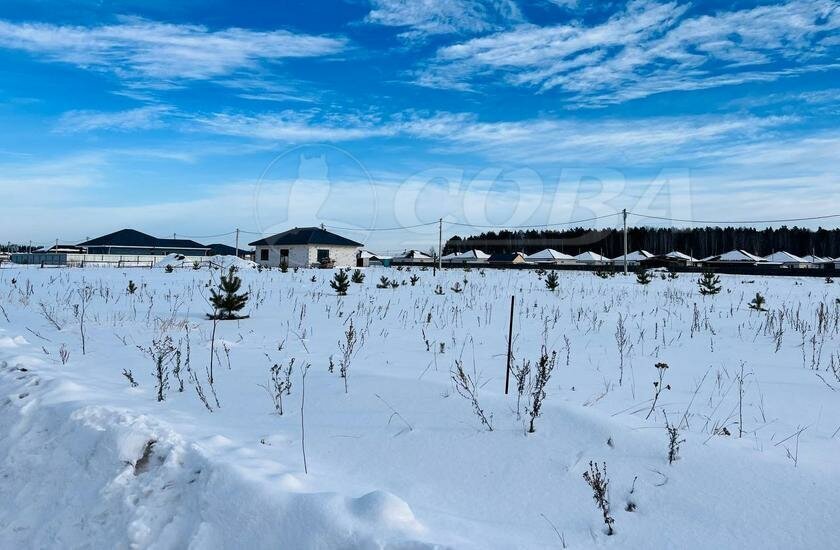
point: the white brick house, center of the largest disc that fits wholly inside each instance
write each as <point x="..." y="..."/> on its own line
<point x="305" y="247"/>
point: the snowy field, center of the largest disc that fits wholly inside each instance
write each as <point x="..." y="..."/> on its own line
<point x="401" y="459"/>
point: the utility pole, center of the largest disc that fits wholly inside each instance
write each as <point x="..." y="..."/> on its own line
<point x="440" y="243"/>
<point x="237" y="242"/>
<point x="624" y="216"/>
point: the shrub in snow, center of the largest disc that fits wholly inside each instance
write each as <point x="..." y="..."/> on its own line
<point x="457" y="288"/>
<point x="603" y="273"/>
<point x="413" y="280"/>
<point x="599" y="483"/>
<point x="674" y="441"/>
<point x="709" y="284"/>
<point x="384" y="282"/>
<point x="280" y="382"/>
<point x="643" y="277"/>
<point x="358" y="276"/>
<point x="226" y="301"/>
<point x="161" y="352"/>
<point x="130" y="377"/>
<point x="552" y="281"/>
<point x="467" y="388"/>
<point x="521" y="374"/>
<point x="340" y="283"/>
<point x="169" y="268"/>
<point x="439" y="290"/>
<point x="132" y="288"/>
<point x="541" y="375"/>
<point x="347" y="348"/>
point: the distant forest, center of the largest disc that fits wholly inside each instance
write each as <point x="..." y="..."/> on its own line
<point x="698" y="242"/>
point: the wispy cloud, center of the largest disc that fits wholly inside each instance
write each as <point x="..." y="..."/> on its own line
<point x="293" y="126"/>
<point x="648" y="48"/>
<point x="159" y="53"/>
<point x="141" y="118"/>
<point x="421" y="18"/>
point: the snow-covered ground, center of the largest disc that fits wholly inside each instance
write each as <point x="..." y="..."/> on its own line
<point x="401" y="459"/>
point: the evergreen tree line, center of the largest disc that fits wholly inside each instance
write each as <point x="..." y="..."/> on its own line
<point x="699" y="242"/>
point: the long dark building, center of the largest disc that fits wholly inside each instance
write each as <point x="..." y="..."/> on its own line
<point x="130" y="242"/>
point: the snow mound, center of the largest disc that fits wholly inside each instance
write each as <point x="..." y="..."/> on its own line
<point x="219" y="261"/>
<point x="225" y="262"/>
<point x="12" y="342"/>
<point x="174" y="260"/>
<point x="108" y="478"/>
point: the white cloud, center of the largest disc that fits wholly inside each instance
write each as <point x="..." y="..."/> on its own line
<point x="141" y="118"/>
<point x="646" y="49"/>
<point x="154" y="52"/>
<point x="633" y="141"/>
<point x="431" y="17"/>
<point x="292" y="126"/>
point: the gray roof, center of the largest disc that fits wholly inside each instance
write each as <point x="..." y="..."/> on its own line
<point x="134" y="238"/>
<point x="305" y="235"/>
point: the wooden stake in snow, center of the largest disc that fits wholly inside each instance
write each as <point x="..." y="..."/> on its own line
<point x="510" y="338"/>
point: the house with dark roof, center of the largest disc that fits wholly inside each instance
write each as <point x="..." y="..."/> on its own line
<point x="306" y="247"/>
<point x="507" y="258"/>
<point x="130" y="242"/>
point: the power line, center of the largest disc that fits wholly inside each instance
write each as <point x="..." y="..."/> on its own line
<point x="205" y="236"/>
<point x="534" y="225"/>
<point x="788" y="220"/>
<point x="396" y="228"/>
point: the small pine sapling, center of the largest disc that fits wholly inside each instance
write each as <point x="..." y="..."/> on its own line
<point x="169" y="268"/>
<point x="358" y="276"/>
<point x="439" y="290"/>
<point x="132" y="288"/>
<point x="340" y="283"/>
<point x="709" y="284"/>
<point x="643" y="277"/>
<point x="414" y="279"/>
<point x="226" y="301"/>
<point x="552" y="281"/>
<point x="757" y="303"/>
<point x="384" y="282"/>
<point x="457" y="288"/>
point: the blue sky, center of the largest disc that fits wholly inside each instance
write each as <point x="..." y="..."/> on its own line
<point x="209" y="115"/>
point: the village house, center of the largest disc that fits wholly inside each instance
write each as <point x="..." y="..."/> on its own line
<point x="306" y="247"/>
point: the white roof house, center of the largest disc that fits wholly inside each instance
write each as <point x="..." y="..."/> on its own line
<point x="414" y="255"/>
<point x="735" y="256"/>
<point x="677" y="255"/>
<point x="635" y="256"/>
<point x="810" y="258"/>
<point x="368" y="255"/>
<point x="549" y="255"/>
<point x="786" y="259"/>
<point x="469" y="256"/>
<point x="474" y="256"/>
<point x="591" y="258"/>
